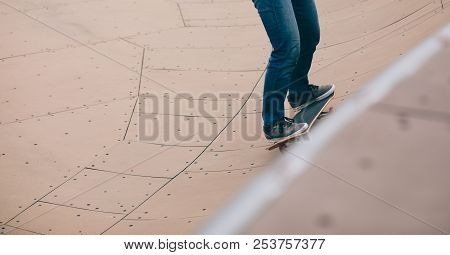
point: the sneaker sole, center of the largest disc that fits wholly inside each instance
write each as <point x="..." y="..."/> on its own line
<point x="303" y="106"/>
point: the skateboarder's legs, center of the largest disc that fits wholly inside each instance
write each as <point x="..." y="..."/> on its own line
<point x="286" y="22"/>
<point x="309" y="30"/>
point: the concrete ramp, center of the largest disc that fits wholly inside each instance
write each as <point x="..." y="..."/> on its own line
<point x="143" y="117"/>
<point x="385" y="173"/>
<point x="377" y="166"/>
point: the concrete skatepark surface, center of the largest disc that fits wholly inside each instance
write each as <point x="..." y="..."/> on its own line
<point x="73" y="159"/>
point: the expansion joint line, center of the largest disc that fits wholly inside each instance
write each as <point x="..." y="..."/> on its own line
<point x="198" y="156"/>
<point x="138" y="94"/>
<point x="181" y="14"/>
<point x="82" y="44"/>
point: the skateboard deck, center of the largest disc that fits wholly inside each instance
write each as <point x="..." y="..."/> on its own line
<point x="307" y="115"/>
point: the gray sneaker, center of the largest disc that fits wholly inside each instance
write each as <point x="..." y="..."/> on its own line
<point x="311" y="95"/>
<point x="283" y="128"/>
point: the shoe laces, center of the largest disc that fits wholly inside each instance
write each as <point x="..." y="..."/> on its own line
<point x="313" y="87"/>
<point x="286" y="119"/>
<point x="286" y="122"/>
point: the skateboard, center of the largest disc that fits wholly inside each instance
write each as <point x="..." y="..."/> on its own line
<point x="307" y="115"/>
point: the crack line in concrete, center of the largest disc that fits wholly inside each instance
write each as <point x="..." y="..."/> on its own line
<point x="85" y="45"/>
<point x="198" y="156"/>
<point x="17" y="228"/>
<point x="181" y="14"/>
<point x="75" y="207"/>
<point x="138" y="94"/>
<point x="136" y="175"/>
<point x="66" y="110"/>
<point x="171" y="145"/>
<point x="78" y="195"/>
<point x="371" y="42"/>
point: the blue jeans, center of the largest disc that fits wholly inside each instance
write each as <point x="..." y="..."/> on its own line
<point x="294" y="32"/>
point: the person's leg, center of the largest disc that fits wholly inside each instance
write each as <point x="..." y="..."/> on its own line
<point x="309" y="30"/>
<point x="280" y="23"/>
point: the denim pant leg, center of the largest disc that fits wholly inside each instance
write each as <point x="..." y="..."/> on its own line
<point x="309" y="29"/>
<point x="281" y="26"/>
